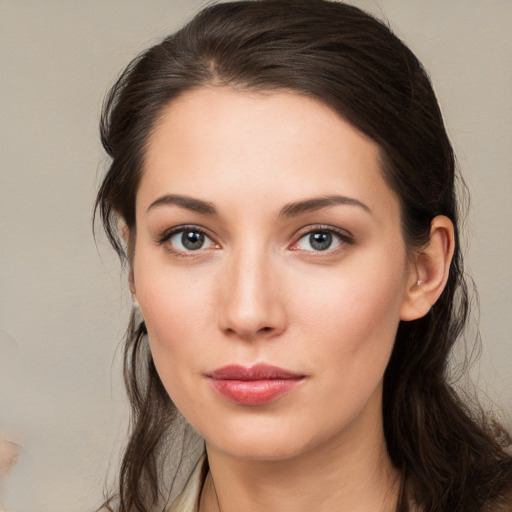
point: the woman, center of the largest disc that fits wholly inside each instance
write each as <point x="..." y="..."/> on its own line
<point x="285" y="191"/>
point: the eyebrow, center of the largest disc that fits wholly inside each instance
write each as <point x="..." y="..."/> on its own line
<point x="317" y="203"/>
<point x="187" y="202"/>
<point x="289" y="210"/>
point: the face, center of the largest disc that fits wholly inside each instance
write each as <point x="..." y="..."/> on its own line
<point x="270" y="269"/>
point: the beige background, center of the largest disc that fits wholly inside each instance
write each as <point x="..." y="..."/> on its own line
<point x="64" y="304"/>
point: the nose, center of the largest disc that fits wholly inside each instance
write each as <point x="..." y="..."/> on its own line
<point x="251" y="305"/>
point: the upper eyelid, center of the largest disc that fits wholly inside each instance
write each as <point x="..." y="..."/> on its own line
<point x="344" y="236"/>
<point x="343" y="233"/>
<point x="168" y="233"/>
<point x="164" y="241"/>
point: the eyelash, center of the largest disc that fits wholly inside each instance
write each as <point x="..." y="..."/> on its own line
<point x="165" y="237"/>
<point x="344" y="238"/>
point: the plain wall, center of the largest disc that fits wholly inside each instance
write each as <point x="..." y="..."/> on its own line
<point x="64" y="302"/>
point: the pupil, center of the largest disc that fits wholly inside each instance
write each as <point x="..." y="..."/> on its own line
<point x="320" y="241"/>
<point x="192" y="240"/>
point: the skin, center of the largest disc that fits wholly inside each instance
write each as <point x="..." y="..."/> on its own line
<point x="258" y="291"/>
<point x="9" y="453"/>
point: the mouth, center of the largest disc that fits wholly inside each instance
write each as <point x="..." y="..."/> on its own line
<point x="257" y="385"/>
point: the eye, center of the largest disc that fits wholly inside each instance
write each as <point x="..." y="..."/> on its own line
<point x="321" y="240"/>
<point x="188" y="239"/>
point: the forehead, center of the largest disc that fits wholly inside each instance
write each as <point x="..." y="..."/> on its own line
<point x="217" y="143"/>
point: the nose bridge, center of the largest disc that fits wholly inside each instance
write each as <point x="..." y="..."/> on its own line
<point x="250" y="305"/>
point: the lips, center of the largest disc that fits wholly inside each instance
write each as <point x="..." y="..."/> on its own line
<point x="257" y="385"/>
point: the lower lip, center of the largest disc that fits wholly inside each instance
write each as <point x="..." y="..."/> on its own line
<point x="254" y="392"/>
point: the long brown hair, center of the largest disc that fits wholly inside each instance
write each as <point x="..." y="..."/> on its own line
<point x="452" y="458"/>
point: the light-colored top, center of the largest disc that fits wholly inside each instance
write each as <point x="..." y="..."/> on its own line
<point x="188" y="500"/>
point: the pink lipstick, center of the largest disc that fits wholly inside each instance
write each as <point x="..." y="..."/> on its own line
<point x="257" y="385"/>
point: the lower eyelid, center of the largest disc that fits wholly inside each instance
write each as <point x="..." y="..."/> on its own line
<point x="343" y="238"/>
<point x="336" y="242"/>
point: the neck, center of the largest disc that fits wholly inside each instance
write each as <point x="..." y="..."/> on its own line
<point x="349" y="472"/>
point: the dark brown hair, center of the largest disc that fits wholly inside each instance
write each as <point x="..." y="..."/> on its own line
<point x="451" y="458"/>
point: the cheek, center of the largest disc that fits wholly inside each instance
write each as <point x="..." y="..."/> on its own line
<point x="175" y="307"/>
<point x="351" y="321"/>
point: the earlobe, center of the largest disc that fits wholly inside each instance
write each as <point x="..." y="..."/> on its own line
<point x="429" y="271"/>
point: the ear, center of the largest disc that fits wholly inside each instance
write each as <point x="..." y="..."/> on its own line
<point x="125" y="235"/>
<point x="131" y="284"/>
<point x="429" y="270"/>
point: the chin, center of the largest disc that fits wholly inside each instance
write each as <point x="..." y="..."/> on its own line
<point x="265" y="441"/>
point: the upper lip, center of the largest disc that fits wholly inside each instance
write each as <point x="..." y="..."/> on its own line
<point x="259" y="371"/>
